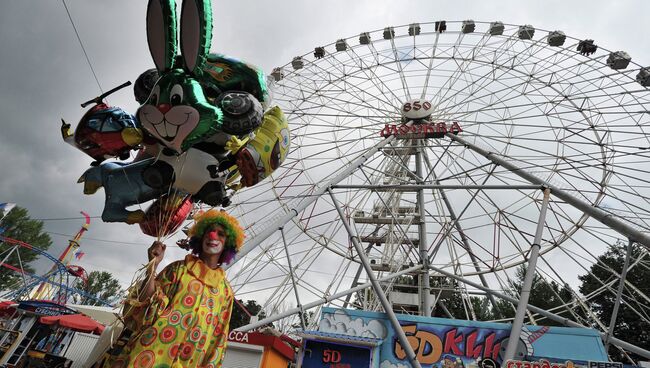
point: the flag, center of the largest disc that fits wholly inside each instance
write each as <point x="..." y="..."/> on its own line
<point x="79" y="254"/>
<point x="5" y="208"/>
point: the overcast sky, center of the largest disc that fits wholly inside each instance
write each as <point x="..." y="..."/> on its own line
<point x="44" y="76"/>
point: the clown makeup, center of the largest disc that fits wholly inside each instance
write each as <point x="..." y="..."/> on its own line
<point x="214" y="241"/>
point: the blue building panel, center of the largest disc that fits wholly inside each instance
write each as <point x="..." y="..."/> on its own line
<point x="449" y="343"/>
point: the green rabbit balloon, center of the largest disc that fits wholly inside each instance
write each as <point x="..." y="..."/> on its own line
<point x="176" y="111"/>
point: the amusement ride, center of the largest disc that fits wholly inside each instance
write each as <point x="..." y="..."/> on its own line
<point x="451" y="154"/>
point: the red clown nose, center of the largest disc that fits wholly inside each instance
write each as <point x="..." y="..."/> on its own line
<point x="212" y="235"/>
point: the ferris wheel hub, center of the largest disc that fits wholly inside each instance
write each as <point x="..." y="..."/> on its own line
<point x="416" y="110"/>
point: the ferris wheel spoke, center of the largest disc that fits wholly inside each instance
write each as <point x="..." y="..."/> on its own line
<point x="456" y="75"/>
<point x="369" y="71"/>
<point x="429" y="69"/>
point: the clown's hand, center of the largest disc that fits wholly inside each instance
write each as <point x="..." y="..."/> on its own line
<point x="156" y="253"/>
<point x="234" y="144"/>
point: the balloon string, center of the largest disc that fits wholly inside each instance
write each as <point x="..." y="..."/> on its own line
<point x="139" y="277"/>
<point x="173" y="200"/>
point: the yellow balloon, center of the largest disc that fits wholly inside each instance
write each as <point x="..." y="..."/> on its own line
<point x="267" y="150"/>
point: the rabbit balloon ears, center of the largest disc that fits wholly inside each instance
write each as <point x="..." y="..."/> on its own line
<point x="196" y="33"/>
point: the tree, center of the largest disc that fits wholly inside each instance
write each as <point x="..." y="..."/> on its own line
<point x="307" y="317"/>
<point x="482" y="308"/>
<point x="19" y="226"/>
<point x="460" y="308"/>
<point x="543" y="294"/>
<point x="630" y="327"/>
<point x="239" y="317"/>
<point x="102" y="285"/>
<point x="448" y="294"/>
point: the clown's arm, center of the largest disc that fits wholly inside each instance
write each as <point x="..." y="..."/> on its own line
<point x="147" y="299"/>
<point x="155" y="253"/>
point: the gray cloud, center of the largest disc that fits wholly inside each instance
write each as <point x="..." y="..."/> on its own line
<point x="44" y="76"/>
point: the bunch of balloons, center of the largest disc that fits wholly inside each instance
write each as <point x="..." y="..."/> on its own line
<point x="204" y="128"/>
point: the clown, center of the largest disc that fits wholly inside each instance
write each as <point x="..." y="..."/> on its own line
<point x="180" y="318"/>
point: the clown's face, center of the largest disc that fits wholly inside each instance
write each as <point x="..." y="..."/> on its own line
<point x="214" y="241"/>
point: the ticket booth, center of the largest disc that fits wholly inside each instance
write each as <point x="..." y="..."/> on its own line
<point x="326" y="350"/>
<point x="257" y="350"/>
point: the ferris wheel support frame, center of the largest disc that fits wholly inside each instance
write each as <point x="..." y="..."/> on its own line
<point x="325" y="299"/>
<point x="435" y="186"/>
<point x="293" y="280"/>
<point x="524" y="296"/>
<point x="472" y="256"/>
<point x="601" y="216"/>
<point x="388" y="308"/>
<point x="424" y="289"/>
<point x="619" y="294"/>
<point x="598" y="214"/>
<point x="565" y="321"/>
<point x="293" y="212"/>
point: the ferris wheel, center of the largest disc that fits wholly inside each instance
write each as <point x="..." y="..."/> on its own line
<point x="450" y="150"/>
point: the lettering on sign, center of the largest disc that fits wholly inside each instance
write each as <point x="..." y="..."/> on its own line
<point x="46" y="311"/>
<point x="331" y="356"/>
<point x="238" y="336"/>
<point x="416" y="105"/>
<point x="605" y="365"/>
<point x="424" y="130"/>
<point x="416" y="110"/>
<point x="429" y="347"/>
<point x="543" y="363"/>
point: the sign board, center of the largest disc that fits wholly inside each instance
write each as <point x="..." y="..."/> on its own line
<point x="416" y="109"/>
<point x="238" y="336"/>
<point x="448" y="343"/>
<point x="43" y="308"/>
<point x="421" y="130"/>
<point x="605" y="365"/>
<point x="325" y="354"/>
<point x="543" y="363"/>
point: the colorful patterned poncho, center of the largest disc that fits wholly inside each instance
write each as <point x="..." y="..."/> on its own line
<point x="184" y="325"/>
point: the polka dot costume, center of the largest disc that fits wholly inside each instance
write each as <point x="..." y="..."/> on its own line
<point x="186" y="323"/>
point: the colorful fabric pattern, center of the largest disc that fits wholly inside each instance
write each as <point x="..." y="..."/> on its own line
<point x="185" y="324"/>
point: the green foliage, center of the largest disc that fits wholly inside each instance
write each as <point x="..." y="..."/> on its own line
<point x="101" y="285"/>
<point x="450" y="298"/>
<point x="482" y="308"/>
<point x="478" y="307"/>
<point x="19" y="226"/>
<point x="239" y="317"/>
<point x="306" y="318"/>
<point x="547" y="295"/>
<point x="629" y="326"/>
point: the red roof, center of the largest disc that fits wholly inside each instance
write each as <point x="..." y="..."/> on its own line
<point x="77" y="322"/>
<point x="256" y="338"/>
